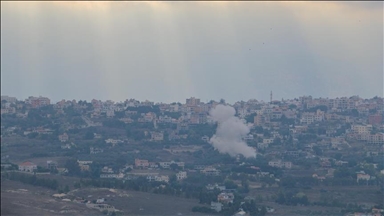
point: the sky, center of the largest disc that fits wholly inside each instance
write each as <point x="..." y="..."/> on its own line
<point x="170" y="51"/>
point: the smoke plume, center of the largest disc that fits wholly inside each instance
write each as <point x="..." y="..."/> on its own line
<point x="229" y="132"/>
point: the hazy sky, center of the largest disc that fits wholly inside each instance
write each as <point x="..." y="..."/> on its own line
<point x="169" y="51"/>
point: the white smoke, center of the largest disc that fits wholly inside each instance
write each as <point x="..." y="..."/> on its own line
<point x="229" y="133"/>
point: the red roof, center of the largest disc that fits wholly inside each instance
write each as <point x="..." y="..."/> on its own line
<point x="27" y="163"/>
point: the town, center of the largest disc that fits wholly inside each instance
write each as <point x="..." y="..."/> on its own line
<point x="314" y="156"/>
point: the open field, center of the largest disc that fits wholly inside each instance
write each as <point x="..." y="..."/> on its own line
<point x="140" y="203"/>
<point x="22" y="199"/>
<point x="365" y="195"/>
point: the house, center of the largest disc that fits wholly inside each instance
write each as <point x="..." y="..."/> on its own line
<point x="84" y="162"/>
<point x="102" y="200"/>
<point x="280" y="164"/>
<point x="212" y="187"/>
<point x="155" y="136"/>
<point x="37" y="102"/>
<point x="362" y="176"/>
<point x="51" y="165"/>
<point x="153" y="165"/>
<point x="96" y="136"/>
<point x="210" y="171"/>
<point x="217" y="206"/>
<point x="205" y="138"/>
<point x="112" y="175"/>
<point x="162" y="178"/>
<point x="181" y="175"/>
<point x="84" y="167"/>
<point x="64" y="137"/>
<point x="113" y="141"/>
<point x="361" y="129"/>
<point x="93" y="150"/>
<point x="268" y="141"/>
<point x="248" y="137"/>
<point x="241" y="212"/>
<point x="167" y="165"/>
<point x="110" y="113"/>
<point x="27" y="167"/>
<point x="141" y="163"/>
<point x="106" y="169"/>
<point x="262" y="145"/>
<point x="225" y="197"/>
<point x="66" y="146"/>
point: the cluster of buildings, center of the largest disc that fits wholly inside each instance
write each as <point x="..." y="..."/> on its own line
<point x="362" y="114"/>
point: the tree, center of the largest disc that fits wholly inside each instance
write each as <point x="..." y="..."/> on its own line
<point x="66" y="189"/>
<point x="280" y="198"/>
<point x="174" y="166"/>
<point x="263" y="211"/>
<point x="230" y="184"/>
<point x="317" y="151"/>
<point x="32" y="135"/>
<point x="73" y="167"/>
<point x="89" y="135"/>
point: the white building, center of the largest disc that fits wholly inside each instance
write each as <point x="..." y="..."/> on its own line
<point x="181" y="175"/>
<point x="155" y="136"/>
<point x="280" y="164"/>
<point x="27" y="167"/>
<point x="210" y="171"/>
<point x="217" y="206"/>
<point x="363" y="176"/>
<point x="110" y="113"/>
<point x="112" y="175"/>
<point x="361" y="129"/>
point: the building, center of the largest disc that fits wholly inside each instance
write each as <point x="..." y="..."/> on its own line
<point x="37" y="102"/>
<point x="64" y="137"/>
<point x="112" y="175"/>
<point x="241" y="212"/>
<point x="52" y="165"/>
<point x="192" y="101"/>
<point x="377" y="138"/>
<point x="8" y="99"/>
<point x="375" y="119"/>
<point x="205" y="138"/>
<point x="141" y="163"/>
<point x="110" y="113"/>
<point x="215" y="186"/>
<point x="280" y="164"/>
<point x="225" y="197"/>
<point x="155" y="136"/>
<point x="167" y="165"/>
<point x="210" y="171"/>
<point x="181" y="175"/>
<point x="93" y="150"/>
<point x="361" y="129"/>
<point x="258" y="120"/>
<point x="27" y="167"/>
<point x="217" y="206"/>
<point x="268" y="141"/>
<point x="113" y="141"/>
<point x="309" y="118"/>
<point x="162" y="178"/>
<point x="363" y="176"/>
